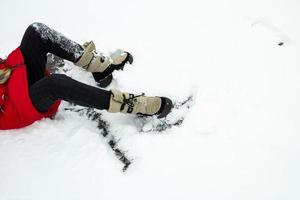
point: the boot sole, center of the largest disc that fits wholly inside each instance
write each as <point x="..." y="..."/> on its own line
<point x="105" y="78"/>
<point x="166" y="107"/>
<point x="128" y="59"/>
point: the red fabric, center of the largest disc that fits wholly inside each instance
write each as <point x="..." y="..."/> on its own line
<point x="17" y="110"/>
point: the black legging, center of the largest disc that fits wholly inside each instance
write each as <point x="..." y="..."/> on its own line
<point x="38" y="40"/>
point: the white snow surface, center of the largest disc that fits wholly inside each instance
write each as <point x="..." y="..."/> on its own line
<point x="240" y="139"/>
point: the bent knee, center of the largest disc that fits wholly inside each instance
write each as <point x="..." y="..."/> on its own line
<point x="35" y="27"/>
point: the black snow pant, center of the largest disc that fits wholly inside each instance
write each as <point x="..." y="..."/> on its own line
<point x="38" y="40"/>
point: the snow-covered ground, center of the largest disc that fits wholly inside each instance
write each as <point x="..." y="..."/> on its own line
<point x="241" y="138"/>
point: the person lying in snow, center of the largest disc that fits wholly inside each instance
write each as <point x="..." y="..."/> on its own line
<point x="28" y="93"/>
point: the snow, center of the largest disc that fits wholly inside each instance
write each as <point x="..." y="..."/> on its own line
<point x="240" y="139"/>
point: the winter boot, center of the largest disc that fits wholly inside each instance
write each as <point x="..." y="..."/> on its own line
<point x="118" y="60"/>
<point x="139" y="104"/>
<point x="101" y="66"/>
<point x="91" y="61"/>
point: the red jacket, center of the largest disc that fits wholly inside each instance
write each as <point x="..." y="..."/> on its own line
<point x="16" y="109"/>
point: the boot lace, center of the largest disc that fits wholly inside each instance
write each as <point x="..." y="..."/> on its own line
<point x="130" y="102"/>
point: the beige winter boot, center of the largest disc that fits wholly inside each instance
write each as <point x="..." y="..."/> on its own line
<point x="91" y="61"/>
<point x="139" y="104"/>
<point x="94" y="62"/>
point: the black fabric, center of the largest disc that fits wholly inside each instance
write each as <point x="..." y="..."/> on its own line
<point x="38" y="40"/>
<point x="47" y="90"/>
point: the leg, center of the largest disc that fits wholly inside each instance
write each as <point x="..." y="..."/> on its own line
<point x="47" y="90"/>
<point x="38" y="40"/>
